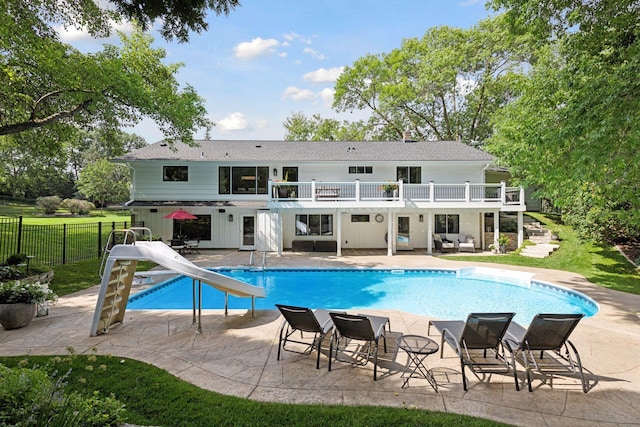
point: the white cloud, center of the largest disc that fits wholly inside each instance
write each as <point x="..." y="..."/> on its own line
<point x="72" y="34"/>
<point x="468" y="3"/>
<point x="256" y="47"/>
<point x="232" y="122"/>
<point x="322" y="75"/>
<point x="314" y="53"/>
<point x="326" y="95"/>
<point x="297" y="94"/>
<point x="290" y="37"/>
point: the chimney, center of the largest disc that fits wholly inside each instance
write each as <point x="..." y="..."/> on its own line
<point x="406" y="136"/>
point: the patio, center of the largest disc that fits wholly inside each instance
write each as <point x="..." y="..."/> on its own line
<point x="236" y="355"/>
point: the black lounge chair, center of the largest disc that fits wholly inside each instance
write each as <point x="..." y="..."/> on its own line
<point x="318" y="322"/>
<point x="481" y="331"/>
<point x="358" y="327"/>
<point x="545" y="347"/>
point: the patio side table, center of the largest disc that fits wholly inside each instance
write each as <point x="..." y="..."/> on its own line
<point x="418" y="348"/>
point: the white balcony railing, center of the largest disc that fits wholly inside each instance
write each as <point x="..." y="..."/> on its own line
<point x="358" y="191"/>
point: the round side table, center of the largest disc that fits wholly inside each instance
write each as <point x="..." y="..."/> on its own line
<point x="418" y="348"/>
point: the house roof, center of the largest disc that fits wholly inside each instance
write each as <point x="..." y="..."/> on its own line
<point x="301" y="151"/>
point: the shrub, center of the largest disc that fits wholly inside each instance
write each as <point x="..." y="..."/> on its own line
<point x="8" y="272"/>
<point x="78" y="207"/>
<point x="49" y="204"/>
<point x="16" y="259"/>
<point x="27" y="293"/>
<point x="31" y="397"/>
<point x="39" y="396"/>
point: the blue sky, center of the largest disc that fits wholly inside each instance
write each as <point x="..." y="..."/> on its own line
<point x="267" y="60"/>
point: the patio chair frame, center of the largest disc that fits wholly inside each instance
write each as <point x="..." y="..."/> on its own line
<point x="481" y="331"/>
<point x="523" y="344"/>
<point x="318" y="322"/>
<point x="358" y="327"/>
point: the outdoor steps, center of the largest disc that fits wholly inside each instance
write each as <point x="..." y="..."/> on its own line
<point x="541" y="250"/>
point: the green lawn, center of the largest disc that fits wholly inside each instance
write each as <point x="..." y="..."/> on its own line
<point x="154" y="397"/>
<point x="33" y="216"/>
<point x="601" y="264"/>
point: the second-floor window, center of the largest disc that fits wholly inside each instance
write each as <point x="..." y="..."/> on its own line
<point x="409" y="174"/>
<point x="360" y="169"/>
<point x="175" y="173"/>
<point x="447" y="224"/>
<point x="243" y="179"/>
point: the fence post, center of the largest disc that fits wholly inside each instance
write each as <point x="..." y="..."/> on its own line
<point x="99" y="239"/>
<point x="64" y="244"/>
<point x="19" y="235"/>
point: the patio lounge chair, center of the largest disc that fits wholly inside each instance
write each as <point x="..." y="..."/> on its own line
<point x="192" y="246"/>
<point x="466" y="243"/>
<point x="318" y="322"/>
<point x="358" y="327"/>
<point x="481" y="331"/>
<point x="544" y="346"/>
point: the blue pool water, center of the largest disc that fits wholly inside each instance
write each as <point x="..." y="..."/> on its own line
<point x="445" y="294"/>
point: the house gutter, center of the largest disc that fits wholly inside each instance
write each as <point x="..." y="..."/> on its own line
<point x="484" y="174"/>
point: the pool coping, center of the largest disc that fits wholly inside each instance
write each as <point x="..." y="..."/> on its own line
<point x="236" y="355"/>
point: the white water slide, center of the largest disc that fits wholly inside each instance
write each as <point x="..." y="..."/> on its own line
<point x="120" y="268"/>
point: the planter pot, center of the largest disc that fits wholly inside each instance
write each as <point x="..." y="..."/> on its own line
<point x="14" y="316"/>
<point x="554" y="237"/>
<point x="283" y="192"/>
<point x="503" y="249"/>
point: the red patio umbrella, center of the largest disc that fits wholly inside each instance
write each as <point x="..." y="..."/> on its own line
<point x="180" y="215"/>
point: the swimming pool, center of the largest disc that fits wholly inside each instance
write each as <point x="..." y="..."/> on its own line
<point x="445" y="294"/>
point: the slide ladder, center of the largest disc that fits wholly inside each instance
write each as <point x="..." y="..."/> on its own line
<point x="116" y="294"/>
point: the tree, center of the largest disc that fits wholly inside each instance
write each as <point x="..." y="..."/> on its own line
<point x="574" y="132"/>
<point x="177" y="18"/>
<point x="89" y="146"/>
<point x="444" y="86"/>
<point x="104" y="182"/>
<point x="302" y="128"/>
<point x="52" y="83"/>
<point x="30" y="169"/>
<point x="47" y="83"/>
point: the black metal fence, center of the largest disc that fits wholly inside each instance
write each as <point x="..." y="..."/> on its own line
<point x="57" y="243"/>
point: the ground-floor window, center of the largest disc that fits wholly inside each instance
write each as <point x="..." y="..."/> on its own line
<point x="359" y="218"/>
<point x="193" y="229"/>
<point x="314" y="225"/>
<point x="449" y="224"/>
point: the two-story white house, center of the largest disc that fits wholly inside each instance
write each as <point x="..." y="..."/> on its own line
<point x="323" y="196"/>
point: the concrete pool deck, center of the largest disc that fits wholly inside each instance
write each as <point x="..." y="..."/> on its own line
<point x="236" y="355"/>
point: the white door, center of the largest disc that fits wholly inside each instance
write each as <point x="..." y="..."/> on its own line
<point x="248" y="232"/>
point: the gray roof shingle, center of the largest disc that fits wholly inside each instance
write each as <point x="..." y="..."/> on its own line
<point x="295" y="151"/>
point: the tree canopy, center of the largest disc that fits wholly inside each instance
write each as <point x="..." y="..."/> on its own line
<point x="574" y="132"/>
<point x="49" y="83"/>
<point x="103" y="181"/>
<point x="299" y="127"/>
<point x="444" y="86"/>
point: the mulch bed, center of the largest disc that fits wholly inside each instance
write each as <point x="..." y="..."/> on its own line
<point x="631" y="250"/>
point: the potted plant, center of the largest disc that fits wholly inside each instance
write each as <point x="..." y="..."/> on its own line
<point x="390" y="189"/>
<point x="493" y="249"/>
<point x="503" y="241"/>
<point x="18" y="301"/>
<point x="554" y="235"/>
